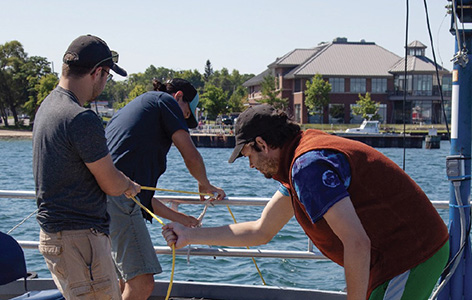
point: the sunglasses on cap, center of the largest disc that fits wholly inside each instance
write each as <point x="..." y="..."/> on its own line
<point x="114" y="58"/>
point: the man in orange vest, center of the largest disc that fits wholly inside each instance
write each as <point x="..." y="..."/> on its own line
<point x="357" y="206"/>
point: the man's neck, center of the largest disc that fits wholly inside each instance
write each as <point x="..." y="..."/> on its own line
<point x="78" y="87"/>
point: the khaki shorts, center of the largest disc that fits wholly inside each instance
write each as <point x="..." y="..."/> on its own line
<point x="80" y="263"/>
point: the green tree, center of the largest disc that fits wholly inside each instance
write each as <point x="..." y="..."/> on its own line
<point x="238" y="99"/>
<point x="42" y="88"/>
<point x="213" y="100"/>
<point x="336" y="111"/>
<point x="208" y="71"/>
<point x="12" y="80"/>
<point x="270" y="93"/>
<point x="162" y="74"/>
<point x="194" y="77"/>
<point x="138" y="89"/>
<point x="18" y="76"/>
<point x="40" y="83"/>
<point x="115" y="92"/>
<point x="317" y="95"/>
<point x="367" y="108"/>
<point x="222" y="79"/>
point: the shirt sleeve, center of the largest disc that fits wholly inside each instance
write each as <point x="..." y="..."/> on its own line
<point x="283" y="190"/>
<point x="87" y="136"/>
<point x="321" y="178"/>
<point x="171" y="115"/>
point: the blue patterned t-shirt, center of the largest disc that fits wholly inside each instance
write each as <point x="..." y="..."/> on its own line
<point x="320" y="179"/>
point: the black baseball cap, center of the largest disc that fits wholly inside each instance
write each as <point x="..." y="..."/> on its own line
<point x="253" y="122"/>
<point x="190" y="96"/>
<point x="89" y="51"/>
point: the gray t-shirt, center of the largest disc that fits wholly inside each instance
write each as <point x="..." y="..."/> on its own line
<point x="65" y="137"/>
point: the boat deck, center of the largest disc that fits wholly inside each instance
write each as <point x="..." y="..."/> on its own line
<point x="195" y="290"/>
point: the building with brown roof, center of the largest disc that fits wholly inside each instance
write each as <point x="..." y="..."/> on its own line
<point x="354" y="68"/>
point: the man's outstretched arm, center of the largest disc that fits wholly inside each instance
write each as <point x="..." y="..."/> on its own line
<point x="274" y="216"/>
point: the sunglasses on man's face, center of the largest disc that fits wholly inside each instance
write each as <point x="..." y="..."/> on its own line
<point x="109" y="76"/>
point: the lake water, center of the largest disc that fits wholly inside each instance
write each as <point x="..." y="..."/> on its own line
<point x="426" y="167"/>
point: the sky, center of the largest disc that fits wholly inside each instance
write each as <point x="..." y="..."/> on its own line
<point x="245" y="35"/>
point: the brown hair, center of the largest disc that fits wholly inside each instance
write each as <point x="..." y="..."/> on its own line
<point x="158" y="86"/>
<point x="74" y="71"/>
<point x="284" y="130"/>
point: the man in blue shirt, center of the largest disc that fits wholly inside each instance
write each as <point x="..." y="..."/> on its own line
<point x="139" y="138"/>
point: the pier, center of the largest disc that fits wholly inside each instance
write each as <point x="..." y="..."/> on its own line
<point x="227" y="140"/>
<point x="387" y="140"/>
<point x="209" y="140"/>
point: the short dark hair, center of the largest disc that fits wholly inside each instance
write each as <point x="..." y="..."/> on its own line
<point x="75" y="71"/>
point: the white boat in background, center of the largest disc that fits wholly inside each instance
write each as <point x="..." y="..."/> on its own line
<point x="369" y="133"/>
<point x="367" y="127"/>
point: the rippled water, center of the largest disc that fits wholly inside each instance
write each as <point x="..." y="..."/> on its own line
<point x="425" y="166"/>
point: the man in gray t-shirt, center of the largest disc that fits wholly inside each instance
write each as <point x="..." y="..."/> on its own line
<point x="73" y="172"/>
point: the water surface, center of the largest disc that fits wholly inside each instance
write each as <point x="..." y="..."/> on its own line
<point x="425" y="166"/>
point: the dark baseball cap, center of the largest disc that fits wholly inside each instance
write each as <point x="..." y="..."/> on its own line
<point x="252" y="123"/>
<point x="190" y="96"/>
<point x="89" y="51"/>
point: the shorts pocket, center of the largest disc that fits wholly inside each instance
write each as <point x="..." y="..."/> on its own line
<point x="101" y="288"/>
<point x="53" y="256"/>
<point x="50" y="249"/>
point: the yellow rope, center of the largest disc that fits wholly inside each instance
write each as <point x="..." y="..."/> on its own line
<point x="174" y="191"/>
<point x="253" y="260"/>
<point x="173" y="247"/>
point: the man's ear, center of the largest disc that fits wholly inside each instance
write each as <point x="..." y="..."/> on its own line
<point x="262" y="144"/>
<point x="179" y="96"/>
<point x="97" y="72"/>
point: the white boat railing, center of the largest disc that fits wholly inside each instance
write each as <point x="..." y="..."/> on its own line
<point x="200" y="251"/>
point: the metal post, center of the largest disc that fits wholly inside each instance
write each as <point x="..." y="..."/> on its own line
<point x="460" y="286"/>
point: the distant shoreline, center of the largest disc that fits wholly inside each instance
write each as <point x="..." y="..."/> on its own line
<point x="15" y="134"/>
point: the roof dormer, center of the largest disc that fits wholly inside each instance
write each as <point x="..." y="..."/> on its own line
<point x="416" y="48"/>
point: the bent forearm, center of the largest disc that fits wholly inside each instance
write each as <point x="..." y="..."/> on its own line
<point x="356" y="266"/>
<point x="193" y="159"/>
<point x="112" y="181"/>
<point x="122" y="184"/>
<point x="241" y="234"/>
<point x="165" y="212"/>
<point x="196" y="167"/>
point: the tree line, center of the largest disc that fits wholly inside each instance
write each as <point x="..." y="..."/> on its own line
<point x="26" y="80"/>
